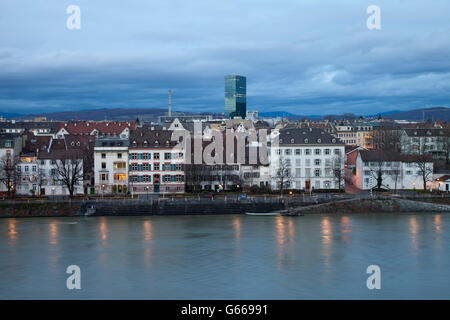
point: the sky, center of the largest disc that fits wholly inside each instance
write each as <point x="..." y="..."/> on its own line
<point x="307" y="57"/>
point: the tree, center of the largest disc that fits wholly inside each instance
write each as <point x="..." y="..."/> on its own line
<point x="395" y="174"/>
<point x="69" y="170"/>
<point x="423" y="162"/>
<point x="377" y="172"/>
<point x="9" y="176"/>
<point x="283" y="174"/>
<point x="338" y="171"/>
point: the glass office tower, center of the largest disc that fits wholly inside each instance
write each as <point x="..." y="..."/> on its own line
<point x="235" y="96"/>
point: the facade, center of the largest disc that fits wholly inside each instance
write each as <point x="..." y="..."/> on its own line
<point x="235" y="96"/>
<point x="111" y="165"/>
<point x="39" y="174"/>
<point x="10" y="148"/>
<point x="443" y="183"/>
<point x="312" y="157"/>
<point x="435" y="142"/>
<point x="397" y="171"/>
<point x="155" y="165"/>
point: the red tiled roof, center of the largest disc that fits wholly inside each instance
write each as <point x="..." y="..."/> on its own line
<point x="103" y="127"/>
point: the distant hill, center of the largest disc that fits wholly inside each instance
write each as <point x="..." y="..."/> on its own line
<point x="441" y="113"/>
<point x="152" y="114"/>
<point x="7" y="115"/>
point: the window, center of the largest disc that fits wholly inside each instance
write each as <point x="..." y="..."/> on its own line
<point x="156" y="166"/>
<point x="103" y="177"/>
<point x="307" y="162"/>
<point x="103" y="155"/>
<point x="145" y="156"/>
<point x="307" y="152"/>
<point x="119" y="165"/>
<point x="317" y="172"/>
<point x="317" y="152"/>
<point x="167" y="155"/>
<point x="287" y="152"/>
<point x="26" y="168"/>
<point x="119" y="156"/>
<point x="327" y="151"/>
<point x="278" y="151"/>
<point x="120" y="177"/>
<point x="337" y="152"/>
<point x="134" y="156"/>
<point x="103" y="165"/>
<point x="317" y="162"/>
<point x="298" y="152"/>
<point x="298" y="162"/>
<point x="156" y="156"/>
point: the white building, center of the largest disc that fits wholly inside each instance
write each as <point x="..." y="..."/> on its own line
<point x="111" y="165"/>
<point x="397" y="171"/>
<point x="312" y="155"/>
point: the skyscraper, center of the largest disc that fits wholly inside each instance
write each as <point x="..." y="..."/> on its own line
<point x="235" y="96"/>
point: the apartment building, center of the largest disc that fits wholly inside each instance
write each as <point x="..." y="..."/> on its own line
<point x="111" y="165"/>
<point x="155" y="164"/>
<point x="312" y="157"/>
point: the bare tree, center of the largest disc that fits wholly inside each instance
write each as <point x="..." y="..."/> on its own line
<point x="9" y="176"/>
<point x="396" y="173"/>
<point x="69" y="170"/>
<point x="377" y="172"/>
<point x="423" y="162"/>
<point x="338" y="170"/>
<point x="283" y="174"/>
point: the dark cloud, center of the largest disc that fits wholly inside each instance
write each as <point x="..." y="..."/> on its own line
<point x="308" y="57"/>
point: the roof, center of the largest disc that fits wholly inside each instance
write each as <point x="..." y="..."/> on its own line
<point x="380" y="155"/>
<point x="151" y="139"/>
<point x="308" y="136"/>
<point x="103" y="127"/>
<point x="427" y="132"/>
<point x="111" y="142"/>
<point x="62" y="154"/>
<point x="444" y="178"/>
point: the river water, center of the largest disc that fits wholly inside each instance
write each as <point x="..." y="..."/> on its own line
<point x="227" y="257"/>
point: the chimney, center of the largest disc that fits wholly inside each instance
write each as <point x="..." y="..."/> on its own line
<point x="170" y="111"/>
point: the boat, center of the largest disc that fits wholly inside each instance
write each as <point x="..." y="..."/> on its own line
<point x="262" y="213"/>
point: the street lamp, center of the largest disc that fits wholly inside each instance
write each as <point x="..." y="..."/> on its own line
<point x="103" y="190"/>
<point x="147" y="187"/>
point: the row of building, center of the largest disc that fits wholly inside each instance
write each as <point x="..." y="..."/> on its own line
<point x="112" y="157"/>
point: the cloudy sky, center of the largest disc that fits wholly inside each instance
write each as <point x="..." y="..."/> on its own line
<point x="302" y="56"/>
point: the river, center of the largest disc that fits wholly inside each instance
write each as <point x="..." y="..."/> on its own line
<point x="227" y="257"/>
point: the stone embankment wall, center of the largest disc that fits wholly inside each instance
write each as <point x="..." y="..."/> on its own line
<point x="208" y="207"/>
<point x="40" y="209"/>
<point x="374" y="205"/>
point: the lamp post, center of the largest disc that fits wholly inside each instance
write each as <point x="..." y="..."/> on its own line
<point x="103" y="190"/>
<point x="146" y="188"/>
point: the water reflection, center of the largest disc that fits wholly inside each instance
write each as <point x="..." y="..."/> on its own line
<point x="326" y="231"/>
<point x="236" y="224"/>
<point x="345" y="229"/>
<point x="437" y="223"/>
<point x="414" y="229"/>
<point x="53" y="233"/>
<point x="103" y="229"/>
<point x="147" y="233"/>
<point x="12" y="233"/>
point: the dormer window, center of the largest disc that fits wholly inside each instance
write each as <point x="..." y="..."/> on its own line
<point x="319" y="140"/>
<point x="292" y="140"/>
<point x="306" y="140"/>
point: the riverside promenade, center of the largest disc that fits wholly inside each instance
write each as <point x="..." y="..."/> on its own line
<point x="305" y="204"/>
